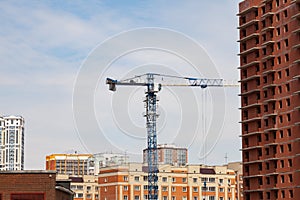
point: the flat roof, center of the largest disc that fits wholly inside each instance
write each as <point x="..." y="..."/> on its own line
<point x="28" y="172"/>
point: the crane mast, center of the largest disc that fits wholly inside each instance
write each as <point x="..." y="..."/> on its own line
<point x="151" y="115"/>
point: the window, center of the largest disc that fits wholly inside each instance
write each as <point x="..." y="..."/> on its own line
<point x="145" y="178"/>
<point x="282" y="194"/>
<point x="221" y="181"/>
<point x="290" y="178"/>
<point x="289" y="147"/>
<point x="183" y="189"/>
<point x="291" y="193"/>
<point x="164" y="179"/>
<point x="137" y="178"/>
<point x="282" y="178"/>
<point x="288" y="102"/>
<point x="184" y="180"/>
<point x="195" y="180"/>
<point x="173" y="189"/>
<point x="136" y="197"/>
<point x="125" y="197"/>
<point x="282" y="163"/>
<point x="289" y="131"/>
<point x="221" y="189"/>
<point x="195" y="189"/>
<point x="165" y="198"/>
<point x="281" y="148"/>
<point x="125" y="178"/>
<point x="285" y="13"/>
<point x="164" y="188"/>
<point x="212" y="180"/>
<point x="173" y="179"/>
<point x="290" y="162"/>
<point x="286" y="42"/>
<point x="212" y="189"/>
<point x="278" y="31"/>
<point x="211" y="198"/>
<point x="136" y="188"/>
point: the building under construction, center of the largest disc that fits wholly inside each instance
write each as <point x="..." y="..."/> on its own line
<point x="270" y="97"/>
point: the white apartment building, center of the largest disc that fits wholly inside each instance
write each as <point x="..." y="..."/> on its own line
<point x="11" y="143"/>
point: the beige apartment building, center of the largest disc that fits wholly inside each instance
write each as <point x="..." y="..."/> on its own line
<point x="190" y="182"/>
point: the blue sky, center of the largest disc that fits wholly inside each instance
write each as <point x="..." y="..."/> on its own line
<point x="44" y="43"/>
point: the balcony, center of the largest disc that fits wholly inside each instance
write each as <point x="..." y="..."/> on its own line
<point x="297" y="46"/>
<point x="251" y="133"/>
<point x="296" y="31"/>
<point x="297" y="108"/>
<point x="297" y="16"/>
<point x="268" y="57"/>
<point x="268" y="28"/>
<point x="252" y="162"/>
<point x="270" y="129"/>
<point x="253" y="35"/>
<point x="253" y="49"/>
<point x="270" y="115"/>
<point x="270" y="86"/>
<point x="250" y="120"/>
<point x="268" y="43"/>
<point x="247" y="10"/>
<point x="251" y="147"/>
<point x="251" y="105"/>
<point x="249" y="92"/>
<point x="269" y="71"/>
<point x="268" y="14"/>
<point x="255" y="76"/>
<point x="249" y="64"/>
<point x="251" y="22"/>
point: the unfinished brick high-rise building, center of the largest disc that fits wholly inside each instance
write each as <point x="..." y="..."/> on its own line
<point x="270" y="95"/>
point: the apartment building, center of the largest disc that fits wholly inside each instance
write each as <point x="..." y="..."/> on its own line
<point x="270" y="97"/>
<point x="191" y="182"/>
<point x="69" y="164"/>
<point x="169" y="154"/>
<point x="99" y="160"/>
<point x="84" y="187"/>
<point x="11" y="143"/>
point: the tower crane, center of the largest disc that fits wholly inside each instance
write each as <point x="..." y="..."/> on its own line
<point x="154" y="82"/>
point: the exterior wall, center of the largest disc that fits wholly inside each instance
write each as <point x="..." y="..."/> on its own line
<point x="41" y="184"/>
<point x="71" y="164"/>
<point x="130" y="182"/>
<point x="270" y="95"/>
<point x="99" y="160"/>
<point x="87" y="189"/>
<point x="11" y="143"/>
<point x="169" y="154"/>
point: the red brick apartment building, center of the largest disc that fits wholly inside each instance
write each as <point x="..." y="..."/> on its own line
<point x="270" y="98"/>
<point x="33" y="185"/>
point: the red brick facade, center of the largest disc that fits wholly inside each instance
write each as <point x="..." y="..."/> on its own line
<point x="270" y="98"/>
<point x="34" y="185"/>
